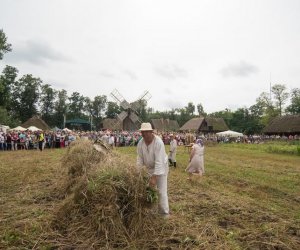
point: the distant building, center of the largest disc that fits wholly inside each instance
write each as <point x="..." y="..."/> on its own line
<point x="283" y="125"/>
<point x="78" y="124"/>
<point x="205" y="125"/>
<point x="112" y="123"/>
<point x="163" y="125"/>
<point x="37" y="122"/>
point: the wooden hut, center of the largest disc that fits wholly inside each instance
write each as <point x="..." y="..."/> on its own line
<point x="163" y="125"/>
<point x="283" y="125"/>
<point x="213" y="125"/>
<point x="112" y="123"/>
<point x="205" y="125"/>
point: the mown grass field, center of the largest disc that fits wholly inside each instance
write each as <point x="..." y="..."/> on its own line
<point x="248" y="199"/>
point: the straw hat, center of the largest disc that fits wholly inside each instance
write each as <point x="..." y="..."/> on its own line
<point x="146" y="126"/>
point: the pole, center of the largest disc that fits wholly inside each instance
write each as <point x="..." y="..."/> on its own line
<point x="64" y="120"/>
<point x="270" y="87"/>
<point x="91" y="122"/>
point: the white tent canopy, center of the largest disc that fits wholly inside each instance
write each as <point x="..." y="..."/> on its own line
<point x="33" y="128"/>
<point x="3" y="128"/>
<point x="229" y="133"/>
<point x="19" y="128"/>
<point x="67" y="130"/>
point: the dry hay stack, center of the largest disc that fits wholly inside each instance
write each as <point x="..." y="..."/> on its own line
<point x="106" y="205"/>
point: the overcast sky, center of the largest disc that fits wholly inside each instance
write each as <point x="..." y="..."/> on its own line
<point x="218" y="53"/>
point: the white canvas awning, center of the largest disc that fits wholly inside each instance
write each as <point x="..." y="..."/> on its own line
<point x="3" y="128"/>
<point x="19" y="128"/>
<point x="33" y="128"/>
<point x="229" y="133"/>
<point x="67" y="130"/>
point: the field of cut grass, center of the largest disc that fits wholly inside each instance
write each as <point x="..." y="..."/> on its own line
<point x="247" y="199"/>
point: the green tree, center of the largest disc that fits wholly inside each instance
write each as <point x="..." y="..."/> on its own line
<point x="47" y="103"/>
<point x="4" y="46"/>
<point x="6" y="119"/>
<point x="7" y="81"/>
<point x="142" y="110"/>
<point x="88" y="106"/>
<point x="76" y="105"/>
<point x="294" y="107"/>
<point x="200" y="110"/>
<point x="246" y="122"/>
<point x="280" y="95"/>
<point x="60" y="108"/>
<point x="25" y="96"/>
<point x="190" y="109"/>
<point x="184" y="115"/>
<point x="265" y="105"/>
<point x="225" y="114"/>
<point x="112" y="110"/>
<point x="99" y="107"/>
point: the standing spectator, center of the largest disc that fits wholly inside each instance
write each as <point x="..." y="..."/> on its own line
<point x="111" y="141"/>
<point x="41" y="140"/>
<point x="172" y="153"/>
<point x="14" y="141"/>
<point x="62" y="141"/>
<point x="196" y="165"/>
<point x="8" y="141"/>
<point x="1" y="141"/>
<point x="151" y="153"/>
<point x="22" y="137"/>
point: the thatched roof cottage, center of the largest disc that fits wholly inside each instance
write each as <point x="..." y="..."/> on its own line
<point x="205" y="125"/>
<point x="37" y="122"/>
<point x="164" y="125"/>
<point x="283" y="125"/>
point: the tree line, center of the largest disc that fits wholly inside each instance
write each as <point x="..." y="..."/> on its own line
<point x="22" y="97"/>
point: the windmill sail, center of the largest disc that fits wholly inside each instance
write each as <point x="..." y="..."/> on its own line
<point x="122" y="116"/>
<point x="133" y="117"/>
<point x="128" y="118"/>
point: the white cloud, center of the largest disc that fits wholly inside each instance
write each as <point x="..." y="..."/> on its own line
<point x="241" y="69"/>
<point x="171" y="71"/>
<point x="130" y="74"/>
<point x="35" y="52"/>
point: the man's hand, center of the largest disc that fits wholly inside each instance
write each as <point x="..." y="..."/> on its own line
<point x="152" y="181"/>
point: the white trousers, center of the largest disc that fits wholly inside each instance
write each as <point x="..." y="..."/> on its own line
<point x="162" y="186"/>
<point x="172" y="156"/>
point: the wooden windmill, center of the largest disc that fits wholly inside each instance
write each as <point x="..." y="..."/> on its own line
<point x="129" y="118"/>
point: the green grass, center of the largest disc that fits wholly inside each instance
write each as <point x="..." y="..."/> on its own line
<point x="249" y="198"/>
<point x="280" y="147"/>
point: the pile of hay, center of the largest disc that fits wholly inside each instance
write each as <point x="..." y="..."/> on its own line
<point x="106" y="203"/>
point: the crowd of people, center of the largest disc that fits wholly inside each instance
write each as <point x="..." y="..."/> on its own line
<point x="18" y="140"/>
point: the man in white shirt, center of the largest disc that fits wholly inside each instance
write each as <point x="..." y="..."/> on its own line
<point x="172" y="153"/>
<point x="151" y="153"/>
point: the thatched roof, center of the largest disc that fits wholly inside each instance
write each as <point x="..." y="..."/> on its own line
<point x="193" y="124"/>
<point x="289" y="124"/>
<point x="207" y="124"/>
<point x="164" y="124"/>
<point x="113" y="124"/>
<point x="37" y="122"/>
<point x="216" y="124"/>
<point x="171" y="125"/>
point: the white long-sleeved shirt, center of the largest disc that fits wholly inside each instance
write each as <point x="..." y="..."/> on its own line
<point x="153" y="156"/>
<point x="173" y="146"/>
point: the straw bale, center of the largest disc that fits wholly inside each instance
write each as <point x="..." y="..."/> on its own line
<point x="108" y="204"/>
